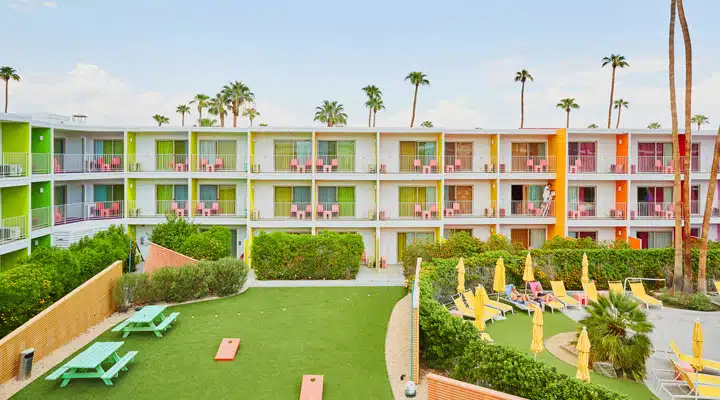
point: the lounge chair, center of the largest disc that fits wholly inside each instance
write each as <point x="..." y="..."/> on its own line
<point x="616" y="287"/>
<point x="467" y="312"/>
<point x="536" y="287"/>
<point x="693" y="385"/>
<point x="638" y="292"/>
<point x="529" y="307"/>
<point x="496" y="304"/>
<point x="470" y="299"/>
<point x="690" y="359"/>
<point x="559" y="292"/>
<point x="590" y="291"/>
<point x="716" y="298"/>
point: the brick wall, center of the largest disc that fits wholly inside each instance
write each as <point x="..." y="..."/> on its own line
<point x="442" y="388"/>
<point x="87" y="305"/>
<point x="159" y="257"/>
<point x="415" y="365"/>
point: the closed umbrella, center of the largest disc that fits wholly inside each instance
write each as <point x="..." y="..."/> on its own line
<point x="479" y="310"/>
<point x="528" y="275"/>
<point x="697" y="345"/>
<point x="585" y="278"/>
<point x="583" y="349"/>
<point x="537" y="333"/>
<point x="499" y="279"/>
<point x="461" y="276"/>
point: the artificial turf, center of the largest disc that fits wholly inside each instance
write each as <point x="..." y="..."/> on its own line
<point x="285" y="333"/>
<point x="516" y="331"/>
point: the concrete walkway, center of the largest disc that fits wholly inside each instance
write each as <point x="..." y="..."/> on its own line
<point x="390" y="276"/>
<point x="397" y="350"/>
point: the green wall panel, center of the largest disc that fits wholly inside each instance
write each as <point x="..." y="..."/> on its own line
<point x="9" y="260"/>
<point x="38" y="199"/>
<point x="15" y="201"/>
<point x="39" y="145"/>
<point x="16" y="137"/>
<point x="40" y="242"/>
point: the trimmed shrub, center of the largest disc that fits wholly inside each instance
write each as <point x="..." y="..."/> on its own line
<point x="212" y="244"/>
<point x="25" y="292"/>
<point x="226" y="277"/>
<point x="328" y="255"/>
<point x="173" y="232"/>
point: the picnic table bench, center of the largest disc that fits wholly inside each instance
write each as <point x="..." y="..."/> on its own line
<point x="148" y="319"/>
<point x="88" y="364"/>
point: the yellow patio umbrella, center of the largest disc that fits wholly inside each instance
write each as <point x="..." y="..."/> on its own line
<point x="585" y="278"/>
<point x="528" y="275"/>
<point x="583" y="348"/>
<point x="461" y="276"/>
<point x="537" y="333"/>
<point x="697" y="345"/>
<point x="499" y="280"/>
<point x="479" y="308"/>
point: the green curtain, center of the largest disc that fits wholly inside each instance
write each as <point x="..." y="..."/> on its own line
<point x="430" y="197"/>
<point x="208" y="195"/>
<point x="301" y="194"/>
<point x="59" y="146"/>
<point x="60" y="197"/>
<point x="283" y="198"/>
<point x="107" y="147"/>
<point x="100" y="192"/>
<point x="118" y="192"/>
<point x="283" y="155"/>
<point x="227" y="150"/>
<point x="573" y="198"/>
<point x="401" y="245"/>
<point x="163" y="195"/>
<point x="346" y="152"/>
<point x="408" y="199"/>
<point x="408" y="152"/>
<point x="164" y="149"/>
<point x="227" y="199"/>
<point x="327" y="194"/>
<point x="346" y="198"/>
<point x="327" y="148"/>
<point x="535" y="193"/>
<point x="117" y="148"/>
<point x="303" y="149"/>
<point x="181" y="152"/>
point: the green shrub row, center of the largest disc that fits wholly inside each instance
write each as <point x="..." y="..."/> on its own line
<point x="328" y="255"/>
<point x="179" y="235"/>
<point x="193" y="281"/>
<point x="50" y="273"/>
<point x="453" y="345"/>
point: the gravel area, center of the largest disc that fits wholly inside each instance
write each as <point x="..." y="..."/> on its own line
<point x="397" y="350"/>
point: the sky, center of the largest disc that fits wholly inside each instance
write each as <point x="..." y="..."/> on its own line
<point x="122" y="62"/>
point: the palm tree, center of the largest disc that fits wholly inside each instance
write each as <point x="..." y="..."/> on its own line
<point x="331" y="113"/>
<point x="218" y="105"/>
<point x="373" y="93"/>
<point x="592" y="126"/>
<point x="427" y="124"/>
<point x="416" y="78"/>
<point x="208" y="122"/>
<point x="616" y="61"/>
<point x="567" y="105"/>
<point x="618" y="330"/>
<point x="687" y="276"/>
<point x="619" y="104"/>
<point x="700" y="119"/>
<point x="375" y="104"/>
<point x="263" y="124"/>
<point x="654" y="125"/>
<point x="251" y="113"/>
<point x="202" y="103"/>
<point x="677" y="243"/>
<point x="160" y="119"/>
<point x="237" y="94"/>
<point x="522" y="76"/>
<point x="183" y="109"/>
<point x="8" y="74"/>
<point x="702" y="265"/>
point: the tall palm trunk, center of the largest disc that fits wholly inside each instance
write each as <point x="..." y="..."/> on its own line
<point x="678" y="269"/>
<point x="222" y="120"/>
<point x="374" y="117"/>
<point x="688" y="278"/>
<point x="567" y="119"/>
<point x="617" y="125"/>
<point x="6" y="95"/>
<point x="698" y="127"/>
<point x="251" y="119"/>
<point x="702" y="266"/>
<point x="612" y="94"/>
<point x="370" y="112"/>
<point x="412" y="120"/>
<point x="199" y="115"/>
<point x="235" y="111"/>
<point x="522" y="105"/>
<point x="182" y="118"/>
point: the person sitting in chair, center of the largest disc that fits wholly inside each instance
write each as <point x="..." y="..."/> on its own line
<point x="544" y="297"/>
<point x="521" y="298"/>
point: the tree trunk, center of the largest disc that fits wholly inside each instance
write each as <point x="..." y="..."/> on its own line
<point x="617" y="125"/>
<point x="182" y="118"/>
<point x="374" y="117"/>
<point x="698" y="127"/>
<point x="688" y="278"/>
<point x="522" y="105"/>
<point x="567" y="119"/>
<point x="702" y="266"/>
<point x="251" y="119"/>
<point x="612" y="94"/>
<point x="235" y="111"/>
<point x="678" y="268"/>
<point x="6" y="96"/>
<point x="412" y="120"/>
<point x="370" y="110"/>
<point x="199" y="115"/>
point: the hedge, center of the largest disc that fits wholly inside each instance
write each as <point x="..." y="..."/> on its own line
<point x="193" y="281"/>
<point x="179" y="235"/>
<point x="453" y="345"/>
<point x="328" y="255"/>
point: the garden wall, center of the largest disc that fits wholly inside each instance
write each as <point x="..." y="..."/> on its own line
<point x="87" y="305"/>
<point x="443" y="388"/>
<point x="159" y="257"/>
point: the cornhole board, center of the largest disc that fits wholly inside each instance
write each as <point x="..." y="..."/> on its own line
<point x="312" y="387"/>
<point x="227" y="350"/>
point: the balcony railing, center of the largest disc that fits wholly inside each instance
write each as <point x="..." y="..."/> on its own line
<point x="290" y="210"/>
<point x="41" y="163"/>
<point x="345" y="164"/>
<point x="530" y="164"/>
<point x="466" y="209"/>
<point x="217" y="208"/>
<point x="598" y="164"/>
<point x="158" y="162"/>
<point x="78" y="212"/>
<point x="157" y="208"/>
<point x="589" y="210"/>
<point x="40" y="218"/>
<point x="82" y="163"/>
<point x="219" y="163"/>
<point x="528" y="209"/>
<point x="411" y="210"/>
<point x="13" y="229"/>
<point x="14" y="165"/>
<point x="341" y="210"/>
<point x="466" y="164"/>
<point x="653" y="209"/>
<point x="283" y="164"/>
<point x="415" y="164"/>
<point x="662" y="165"/>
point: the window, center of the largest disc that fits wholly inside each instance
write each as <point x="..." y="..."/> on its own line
<point x="343" y="152"/>
<point x="109" y="147"/>
<point x="421" y="151"/>
<point x="220" y="199"/>
<point x="221" y="153"/>
<point x="525" y="152"/>
<point x="526" y="199"/>
<point x="341" y="197"/>
<point x="288" y="196"/>
<point x="695" y="199"/>
<point x="288" y="150"/>
<point x="654" y="201"/>
<point x="449" y="232"/>
<point x="528" y="238"/>
<point x="410" y="197"/>
<point x="653" y="157"/>
<point x="108" y="192"/>
<point x="695" y="157"/>
<point x="582" y="155"/>
<point x="459" y="198"/>
<point x="695" y="232"/>
<point x="459" y="155"/>
<point x="169" y="153"/>
<point x="405" y="239"/>
<point x="166" y="195"/>
<point x="582" y="201"/>
<point x="583" y="234"/>
<point x="655" y="239"/>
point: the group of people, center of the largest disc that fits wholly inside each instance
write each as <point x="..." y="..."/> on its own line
<point x="524" y="298"/>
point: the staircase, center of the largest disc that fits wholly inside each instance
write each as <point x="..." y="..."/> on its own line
<point x="390" y="276"/>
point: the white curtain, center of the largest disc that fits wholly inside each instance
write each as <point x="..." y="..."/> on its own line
<point x="537" y="238"/>
<point x="659" y="240"/>
<point x="208" y="150"/>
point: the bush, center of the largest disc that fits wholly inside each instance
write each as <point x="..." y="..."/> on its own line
<point x="226" y="276"/>
<point x="212" y="244"/>
<point x="328" y="255"/>
<point x="173" y="233"/>
<point x="25" y="292"/>
<point x="697" y="301"/>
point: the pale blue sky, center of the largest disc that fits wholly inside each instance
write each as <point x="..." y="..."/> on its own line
<point x="124" y="61"/>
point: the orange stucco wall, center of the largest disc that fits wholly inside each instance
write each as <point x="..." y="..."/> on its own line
<point x="557" y="146"/>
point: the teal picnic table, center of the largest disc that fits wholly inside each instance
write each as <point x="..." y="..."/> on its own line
<point x="148" y="319"/>
<point x="89" y="364"/>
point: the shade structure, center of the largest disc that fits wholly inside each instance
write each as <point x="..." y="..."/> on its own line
<point x="537" y="333"/>
<point x="697" y="346"/>
<point x="528" y="275"/>
<point x="585" y="278"/>
<point x="583" y="349"/>
<point x="461" y="276"/>
<point x="499" y="279"/>
<point x="479" y="310"/>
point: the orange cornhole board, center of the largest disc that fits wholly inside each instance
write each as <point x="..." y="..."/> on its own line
<point x="227" y="350"/>
<point x="312" y="387"/>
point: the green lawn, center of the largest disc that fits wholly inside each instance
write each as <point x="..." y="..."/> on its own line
<point x="285" y="333"/>
<point x="516" y="331"/>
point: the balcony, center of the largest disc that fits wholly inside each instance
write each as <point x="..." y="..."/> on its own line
<point x="410" y="210"/>
<point x="598" y="164"/>
<point x="158" y="162"/>
<point x="157" y="208"/>
<point x="416" y="164"/>
<point x="283" y="164"/>
<point x="14" y="165"/>
<point x="288" y="211"/>
<point x="466" y="165"/>
<point x="217" y="208"/>
<point x="40" y="218"/>
<point x="530" y="164"/>
<point x="589" y="210"/>
<point x="41" y="163"/>
<point x="466" y="209"/>
<point x="661" y="165"/>
<point x="219" y="163"/>
<point x="653" y="210"/>
<point x="529" y="209"/>
<point x="13" y="229"/>
<point x="87" y="163"/>
<point x="79" y="212"/>
<point x="325" y="163"/>
<point x="341" y="211"/>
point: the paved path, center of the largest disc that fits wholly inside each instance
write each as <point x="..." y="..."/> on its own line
<point x="397" y="350"/>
